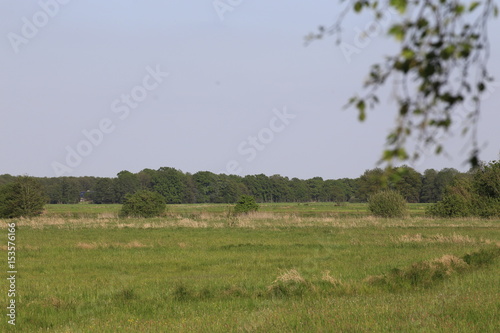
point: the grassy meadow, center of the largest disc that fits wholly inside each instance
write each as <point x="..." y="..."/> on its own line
<point x="311" y="267"/>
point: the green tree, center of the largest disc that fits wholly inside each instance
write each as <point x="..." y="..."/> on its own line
<point x="444" y="178"/>
<point x="125" y="183"/>
<point x="429" y="192"/>
<point x="143" y="204"/>
<point x="371" y="182"/>
<point x="441" y="67"/>
<point x="23" y="197"/>
<point x="487" y="179"/>
<point x="206" y="184"/>
<point x="408" y="182"/>
<point x="104" y="191"/>
<point x="300" y="190"/>
<point x="315" y="186"/>
<point x="334" y="190"/>
<point x="170" y="183"/>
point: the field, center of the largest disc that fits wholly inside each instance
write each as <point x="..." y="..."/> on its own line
<point x="287" y="268"/>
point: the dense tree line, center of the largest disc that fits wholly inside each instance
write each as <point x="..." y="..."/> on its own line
<point x="176" y="186"/>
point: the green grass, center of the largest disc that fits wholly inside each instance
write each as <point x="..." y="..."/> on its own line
<point x="190" y="271"/>
<point x="300" y="209"/>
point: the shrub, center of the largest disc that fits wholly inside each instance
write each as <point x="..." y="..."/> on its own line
<point x="387" y="204"/>
<point x="246" y="204"/>
<point x="23" y="197"/>
<point x="143" y="204"/>
<point x="452" y="205"/>
<point x="472" y="194"/>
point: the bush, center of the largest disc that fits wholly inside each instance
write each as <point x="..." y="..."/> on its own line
<point x="387" y="204"/>
<point x="143" y="204"/>
<point x="463" y="199"/>
<point x="23" y="197"/>
<point x="452" y="205"/>
<point x="246" y="204"/>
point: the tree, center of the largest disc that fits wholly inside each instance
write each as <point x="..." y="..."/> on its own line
<point x="441" y="67"/>
<point x="315" y="187"/>
<point x="428" y="192"/>
<point x="24" y="197"/>
<point x="487" y="179"/>
<point x="408" y="183"/>
<point x="104" y="191"/>
<point x="300" y="191"/>
<point x="143" y="204"/>
<point x="444" y="178"/>
<point x="126" y="182"/>
<point x="169" y="183"/>
<point x="371" y="182"/>
<point x="476" y="193"/>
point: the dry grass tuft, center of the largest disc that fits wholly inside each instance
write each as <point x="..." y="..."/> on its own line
<point x="454" y="238"/>
<point x="87" y="246"/>
<point x="450" y="263"/>
<point x="133" y="245"/>
<point x="330" y="279"/>
<point x="291" y="275"/>
<point x="92" y="246"/>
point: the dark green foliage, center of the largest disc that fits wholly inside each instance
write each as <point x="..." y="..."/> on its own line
<point x="125" y="183"/>
<point x="371" y="182"/>
<point x="474" y="194"/>
<point x="23" y="197"/>
<point x="143" y="204"/>
<point x="408" y="183"/>
<point x="388" y="204"/>
<point x="482" y="257"/>
<point x="246" y="204"/>
<point x="103" y="191"/>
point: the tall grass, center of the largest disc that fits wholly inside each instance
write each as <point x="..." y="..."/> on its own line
<point x="269" y="272"/>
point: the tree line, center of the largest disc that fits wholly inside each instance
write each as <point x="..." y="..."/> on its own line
<point x="178" y="187"/>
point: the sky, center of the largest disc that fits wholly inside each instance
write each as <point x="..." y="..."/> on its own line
<point x="91" y="88"/>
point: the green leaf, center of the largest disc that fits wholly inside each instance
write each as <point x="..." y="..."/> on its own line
<point x="473" y="6"/>
<point x="403" y="110"/>
<point x="481" y="86"/>
<point x="358" y="6"/>
<point x="459" y="9"/>
<point x="422" y="22"/>
<point x="398" y="31"/>
<point x="448" y="52"/>
<point x="400" y="5"/>
<point x="401" y="154"/>
<point x="361" y="107"/>
<point x="408" y="53"/>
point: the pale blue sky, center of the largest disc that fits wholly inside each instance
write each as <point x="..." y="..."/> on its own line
<point x="227" y="81"/>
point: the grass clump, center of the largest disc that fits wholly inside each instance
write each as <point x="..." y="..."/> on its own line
<point x="427" y="273"/>
<point x="289" y="283"/>
<point x="388" y="204"/>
